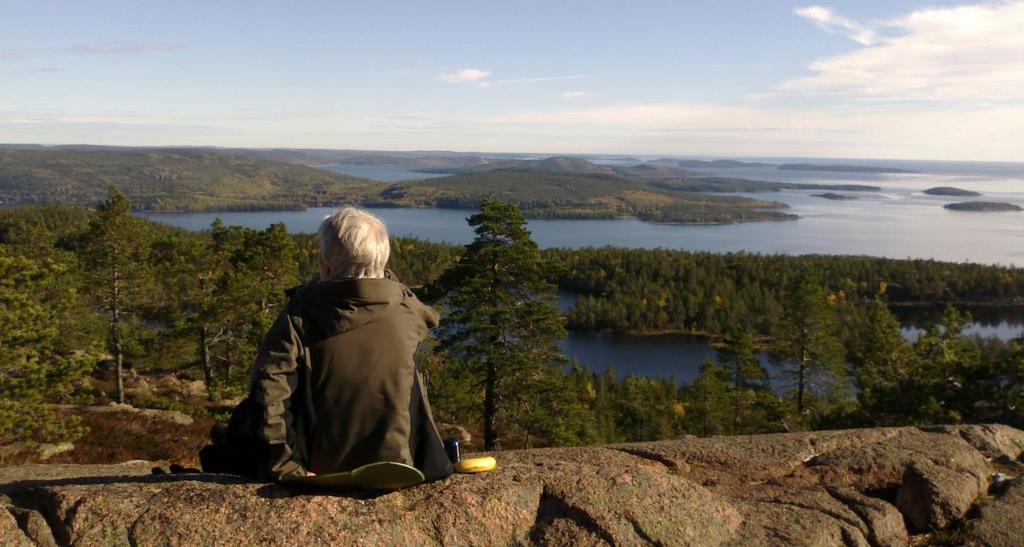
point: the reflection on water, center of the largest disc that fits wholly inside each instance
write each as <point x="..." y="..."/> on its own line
<point x="1004" y="323"/>
<point x="660" y="356"/>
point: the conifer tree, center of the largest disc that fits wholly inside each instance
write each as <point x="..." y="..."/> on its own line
<point x="115" y="248"/>
<point x="885" y="370"/>
<point x="951" y="368"/>
<point x="747" y="377"/>
<point x="35" y="366"/>
<point x="808" y="342"/>
<point x="709" y="398"/>
<point x="194" y="272"/>
<point x="502" y="323"/>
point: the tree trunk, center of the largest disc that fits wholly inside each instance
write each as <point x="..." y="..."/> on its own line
<point x="737" y="393"/>
<point x="204" y="356"/>
<point x="115" y="337"/>
<point x="490" y="436"/>
<point x="707" y="409"/>
<point x="803" y="371"/>
<point x="800" y="388"/>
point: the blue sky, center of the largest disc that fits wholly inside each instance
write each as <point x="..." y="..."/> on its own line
<point x="935" y="80"/>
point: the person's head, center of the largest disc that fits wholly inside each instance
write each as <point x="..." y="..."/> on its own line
<point x="353" y="245"/>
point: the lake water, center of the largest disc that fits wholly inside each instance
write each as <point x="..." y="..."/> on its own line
<point x="898" y="222"/>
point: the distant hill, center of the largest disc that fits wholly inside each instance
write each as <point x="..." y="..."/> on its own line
<point x="548" y="194"/>
<point x="169" y="179"/>
<point x="840" y="168"/>
<point x="982" y="206"/>
<point x="950" y="191"/>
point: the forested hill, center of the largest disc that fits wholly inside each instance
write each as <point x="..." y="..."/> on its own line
<point x="167" y="179"/>
<point x="550" y="194"/>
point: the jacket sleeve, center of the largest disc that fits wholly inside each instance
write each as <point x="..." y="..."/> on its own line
<point x="276" y="377"/>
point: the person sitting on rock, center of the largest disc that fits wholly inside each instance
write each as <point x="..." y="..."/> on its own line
<point x="335" y="385"/>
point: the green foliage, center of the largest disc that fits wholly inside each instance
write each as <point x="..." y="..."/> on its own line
<point x="222" y="287"/>
<point x="502" y="323"/>
<point x="652" y="290"/>
<point x="885" y="372"/>
<point x="950" y="369"/>
<point x="807" y="343"/>
<point x="754" y="408"/>
<point x="114" y="251"/>
<point x="709" y="400"/>
<point x="58" y="263"/>
<point x="36" y="366"/>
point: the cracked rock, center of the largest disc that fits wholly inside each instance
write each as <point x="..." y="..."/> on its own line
<point x="862" y="487"/>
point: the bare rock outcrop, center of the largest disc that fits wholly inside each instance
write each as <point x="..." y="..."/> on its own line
<point x="1001" y="521"/>
<point x="858" y="487"/>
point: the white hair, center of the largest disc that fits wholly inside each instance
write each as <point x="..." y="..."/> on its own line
<point x="354" y="244"/>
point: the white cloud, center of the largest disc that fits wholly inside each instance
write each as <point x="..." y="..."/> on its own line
<point x="465" y="75"/>
<point x="830" y="22"/>
<point x="575" y="94"/>
<point x="966" y="53"/>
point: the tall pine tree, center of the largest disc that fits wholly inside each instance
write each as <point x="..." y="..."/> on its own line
<point x="115" y="248"/>
<point x="808" y="343"/>
<point x="502" y="323"/>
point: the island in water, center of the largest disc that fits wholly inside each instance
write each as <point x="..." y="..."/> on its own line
<point x="208" y="179"/>
<point x="982" y="206"/>
<point x="842" y="168"/>
<point x="720" y="164"/>
<point x="950" y="191"/>
<point x="835" y="197"/>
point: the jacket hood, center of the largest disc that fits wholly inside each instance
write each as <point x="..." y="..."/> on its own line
<point x="338" y="306"/>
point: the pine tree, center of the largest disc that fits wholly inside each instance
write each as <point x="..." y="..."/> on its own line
<point x="886" y="370"/>
<point x="114" y="252"/>
<point x="502" y="323"/>
<point x="808" y="340"/>
<point x="194" y="272"/>
<point x="708" y="399"/>
<point x="739" y="357"/>
<point x="35" y="366"/>
<point x="951" y="368"/>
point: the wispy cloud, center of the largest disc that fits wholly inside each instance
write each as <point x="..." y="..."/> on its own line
<point x="966" y="53"/>
<point x="539" y="79"/>
<point x="831" y="22"/>
<point x="575" y="94"/>
<point x="31" y="70"/>
<point x="858" y="130"/>
<point x="482" y="78"/>
<point x="466" y="75"/>
<point x="93" y="48"/>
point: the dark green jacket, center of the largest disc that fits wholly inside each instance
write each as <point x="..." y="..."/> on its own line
<point x="335" y="385"/>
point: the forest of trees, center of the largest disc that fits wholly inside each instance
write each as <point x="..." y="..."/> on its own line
<point x="90" y="292"/>
<point x="641" y="290"/>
